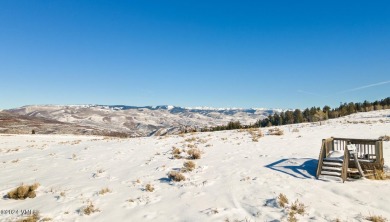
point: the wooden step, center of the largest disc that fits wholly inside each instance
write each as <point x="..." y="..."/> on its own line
<point x="334" y="164"/>
<point x="353" y="170"/>
<point x="332" y="159"/>
<point x="326" y="168"/>
<point x="331" y="173"/>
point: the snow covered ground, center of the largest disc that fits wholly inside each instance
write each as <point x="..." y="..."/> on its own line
<point x="236" y="179"/>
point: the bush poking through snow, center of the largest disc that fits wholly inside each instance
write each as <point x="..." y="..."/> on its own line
<point x="188" y="166"/>
<point x="194" y="153"/>
<point x="104" y="191"/>
<point x="380" y="175"/>
<point x="149" y="187"/>
<point x="276" y="132"/>
<point x="31" y="218"/>
<point x="177" y="156"/>
<point x="176" y="151"/>
<point x="298" y="207"/>
<point x="90" y="208"/>
<point x="291" y="217"/>
<point x="176" y="176"/>
<point x="256" y="134"/>
<point x="282" y="200"/>
<point x="23" y="191"/>
<point x="375" y="218"/>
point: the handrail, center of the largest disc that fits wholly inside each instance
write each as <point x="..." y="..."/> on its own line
<point x="320" y="159"/>
<point x="349" y="139"/>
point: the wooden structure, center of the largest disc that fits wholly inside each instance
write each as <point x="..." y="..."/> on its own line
<point x="337" y="161"/>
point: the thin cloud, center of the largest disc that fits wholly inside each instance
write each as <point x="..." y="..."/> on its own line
<point x="363" y="87"/>
<point x="346" y="91"/>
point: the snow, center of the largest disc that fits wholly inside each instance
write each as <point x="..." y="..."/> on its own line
<point x="235" y="179"/>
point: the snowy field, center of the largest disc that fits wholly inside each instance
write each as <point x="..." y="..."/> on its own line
<point x="236" y="178"/>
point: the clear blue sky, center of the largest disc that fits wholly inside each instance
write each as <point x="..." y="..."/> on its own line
<point x="281" y="54"/>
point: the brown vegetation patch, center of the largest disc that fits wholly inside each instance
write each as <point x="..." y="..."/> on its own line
<point x="194" y="153"/>
<point x="149" y="187"/>
<point x="298" y="207"/>
<point x="22" y="192"/>
<point x="90" y="208"/>
<point x="176" y="176"/>
<point x="104" y="191"/>
<point x="188" y="166"/>
<point x="35" y="217"/>
<point x="282" y="200"/>
<point x="376" y="218"/>
<point x="276" y="132"/>
<point x="176" y="151"/>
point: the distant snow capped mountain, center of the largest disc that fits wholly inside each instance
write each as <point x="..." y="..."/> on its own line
<point x="142" y="120"/>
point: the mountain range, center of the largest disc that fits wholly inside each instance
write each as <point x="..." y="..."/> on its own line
<point x="125" y="120"/>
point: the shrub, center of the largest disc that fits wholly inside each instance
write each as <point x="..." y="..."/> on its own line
<point x="298" y="207"/>
<point x="275" y="131"/>
<point x="104" y="191"/>
<point x="194" y="153"/>
<point x="90" y="208"/>
<point x="255" y="134"/>
<point x="191" y="139"/>
<point x="23" y="191"/>
<point x="149" y="187"/>
<point x="291" y="217"/>
<point x="375" y="218"/>
<point x="282" y="200"/>
<point x="176" y="151"/>
<point x="188" y="166"/>
<point x="31" y="218"/>
<point x="177" y="156"/>
<point x="176" y="176"/>
<point x="379" y="175"/>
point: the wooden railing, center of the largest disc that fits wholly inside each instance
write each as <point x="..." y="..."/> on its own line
<point x="366" y="149"/>
<point x="327" y="146"/>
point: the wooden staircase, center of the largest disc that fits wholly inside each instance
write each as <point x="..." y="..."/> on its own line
<point x="332" y="167"/>
<point x="340" y="158"/>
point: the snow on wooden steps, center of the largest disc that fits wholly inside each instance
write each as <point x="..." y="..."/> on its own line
<point x="331" y="173"/>
<point x="326" y="168"/>
<point x="334" y="164"/>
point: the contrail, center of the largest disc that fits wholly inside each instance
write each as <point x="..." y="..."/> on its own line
<point x="346" y="91"/>
<point x="363" y="87"/>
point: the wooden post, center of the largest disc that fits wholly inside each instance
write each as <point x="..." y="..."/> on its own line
<point x="321" y="158"/>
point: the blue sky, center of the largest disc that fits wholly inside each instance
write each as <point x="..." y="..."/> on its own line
<point x="281" y="54"/>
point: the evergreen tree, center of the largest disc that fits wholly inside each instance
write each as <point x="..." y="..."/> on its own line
<point x="298" y="117"/>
